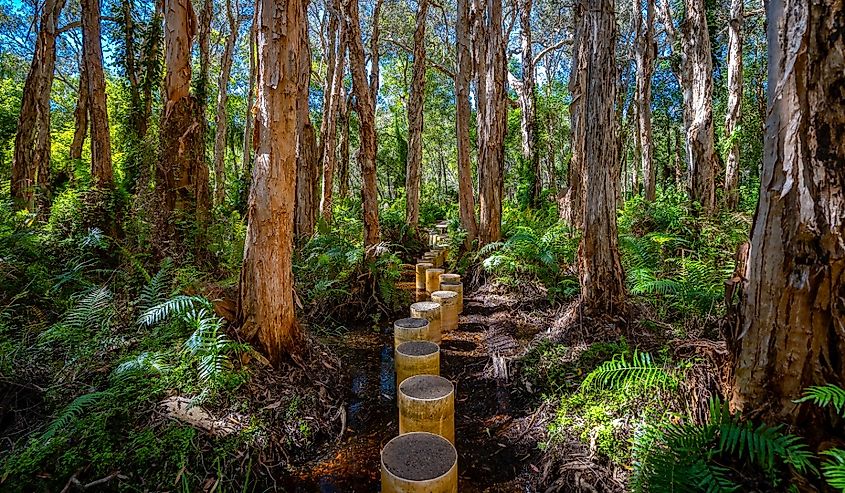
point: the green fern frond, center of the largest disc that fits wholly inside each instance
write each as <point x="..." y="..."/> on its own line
<point x="177" y="305"/>
<point x="826" y="395"/>
<point x="619" y="372"/>
<point x="71" y="413"/>
<point x="141" y="364"/>
<point x="155" y="291"/>
<point x="834" y="468"/>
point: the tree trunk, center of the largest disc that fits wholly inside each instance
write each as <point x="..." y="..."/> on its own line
<point x="415" y="121"/>
<point x="31" y="158"/>
<point x="572" y="201"/>
<point x="307" y="178"/>
<point x="151" y="61"/>
<point x="343" y="162"/>
<point x="792" y="326"/>
<point x="220" y="116"/>
<point x="328" y="131"/>
<point x="697" y="84"/>
<point x="645" y="52"/>
<point x="528" y="104"/>
<point x="366" y="110"/>
<point x="80" y="115"/>
<point x="733" y="114"/>
<point x="463" y="77"/>
<point x="181" y="174"/>
<point x="246" y="160"/>
<point x="600" y="269"/>
<point x="202" y="85"/>
<point x="101" y="165"/>
<point x="492" y="118"/>
<point x="266" y="307"/>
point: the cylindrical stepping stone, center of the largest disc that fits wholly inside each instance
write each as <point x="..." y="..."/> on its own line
<point x="421" y="268"/>
<point x="448" y="309"/>
<point x="427" y="403"/>
<point x="432" y="258"/>
<point x="450" y="278"/>
<point x="419" y="463"/>
<point x="410" y="329"/>
<point x="432" y="279"/>
<point x="431" y="312"/>
<point x="416" y="358"/>
<point x="457" y="287"/>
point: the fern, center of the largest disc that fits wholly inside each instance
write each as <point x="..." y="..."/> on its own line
<point x="209" y="345"/>
<point x="834" y="468"/>
<point x="619" y="372"/>
<point x="175" y="306"/>
<point x="94" y="311"/>
<point x="140" y="365"/>
<point x="826" y="395"/>
<point x="154" y="292"/>
<point x="683" y="457"/>
<point x="71" y="413"/>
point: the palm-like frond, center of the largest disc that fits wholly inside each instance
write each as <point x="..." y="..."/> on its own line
<point x="173" y="307"/>
<point x="155" y="291"/>
<point x="620" y="372"/>
<point x="141" y="364"/>
<point x="826" y="395"/>
<point x="71" y="413"/>
<point x="833" y="469"/>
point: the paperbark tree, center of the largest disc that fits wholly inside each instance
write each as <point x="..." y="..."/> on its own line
<point x="332" y="102"/>
<point x="307" y="177"/>
<point x="645" y="52"/>
<point x="415" y="121"/>
<point x="31" y="156"/>
<point x="492" y="116"/>
<point x="266" y="307"/>
<point x="202" y="84"/>
<point x="220" y="117"/>
<point x="463" y="78"/>
<point x="599" y="266"/>
<point x="528" y="104"/>
<point x="366" y="109"/>
<point x="571" y="203"/>
<point x="181" y="172"/>
<point x="343" y="160"/>
<point x="697" y="85"/>
<point x="80" y="115"/>
<point x="792" y="319"/>
<point x="733" y="114"/>
<point x="246" y="160"/>
<point x="101" y="166"/>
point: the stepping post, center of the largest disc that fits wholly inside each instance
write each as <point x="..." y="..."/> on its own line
<point x="432" y="280"/>
<point x="410" y="329"/>
<point x="457" y="287"/>
<point x="419" y="463"/>
<point x="427" y="403"/>
<point x="416" y="358"/>
<point x="448" y="309"/>
<point x="421" y="268"/>
<point x="431" y="312"/>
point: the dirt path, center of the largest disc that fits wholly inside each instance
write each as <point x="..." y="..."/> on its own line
<point x="495" y="453"/>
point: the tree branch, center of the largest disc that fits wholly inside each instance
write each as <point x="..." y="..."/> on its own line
<point x="441" y="68"/>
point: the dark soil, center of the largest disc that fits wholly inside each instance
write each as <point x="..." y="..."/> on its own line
<point x="419" y="456"/>
<point x="426" y="387"/>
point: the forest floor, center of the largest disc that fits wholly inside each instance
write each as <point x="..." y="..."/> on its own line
<point x="498" y="424"/>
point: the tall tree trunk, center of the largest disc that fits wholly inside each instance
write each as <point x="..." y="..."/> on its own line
<point x="528" y="104"/>
<point x="572" y="200"/>
<point x="492" y="119"/>
<point x="221" y="116"/>
<point x="101" y="166"/>
<point x="266" y="305"/>
<point x="415" y="121"/>
<point x="343" y="162"/>
<point x="151" y="61"/>
<point x="307" y="178"/>
<point x="80" y="115"/>
<point x="645" y="52"/>
<point x="697" y="84"/>
<point x="366" y="110"/>
<point x="792" y="324"/>
<point x="202" y="84"/>
<point x="463" y="78"/>
<point x="246" y="160"/>
<point x="31" y="158"/>
<point x="181" y="173"/>
<point x="599" y="266"/>
<point x="734" y="109"/>
<point x="328" y="131"/>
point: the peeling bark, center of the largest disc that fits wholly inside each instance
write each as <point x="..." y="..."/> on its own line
<point x="307" y="177"/>
<point x="266" y="305"/>
<point x="463" y="78"/>
<point x="571" y="202"/>
<point x="733" y="114"/>
<point x="101" y="166"/>
<point x="331" y="114"/>
<point x="792" y="323"/>
<point x="220" y="117"/>
<point x="645" y="52"/>
<point x="80" y="115"/>
<point x="528" y="104"/>
<point x="415" y="121"/>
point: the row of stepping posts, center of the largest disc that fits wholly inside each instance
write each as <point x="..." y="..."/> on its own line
<point x="423" y="457"/>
